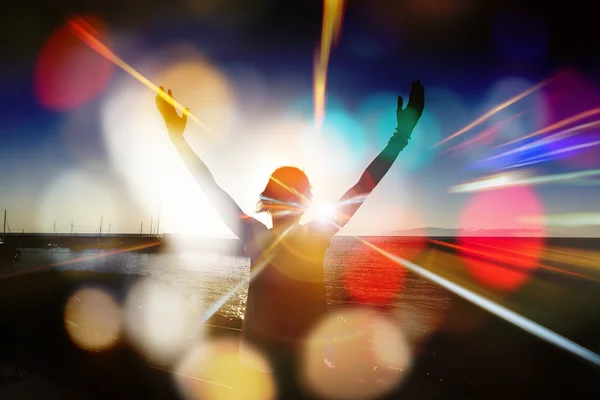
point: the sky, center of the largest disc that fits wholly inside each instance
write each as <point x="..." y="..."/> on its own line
<point x="81" y="140"/>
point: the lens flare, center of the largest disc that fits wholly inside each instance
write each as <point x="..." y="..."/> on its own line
<point x="355" y="354"/>
<point x="519" y="178"/>
<point x="422" y="308"/>
<point x="478" y="121"/>
<point x="212" y="371"/>
<point x="518" y="256"/>
<point x="549" y="139"/>
<point x="88" y="37"/>
<point x="557" y="125"/>
<point x="325" y="212"/>
<point x="93" y="319"/>
<point x="199" y="84"/>
<point x="496" y="309"/>
<point x="333" y="11"/>
<point x="157" y="320"/>
<point x="141" y="153"/>
<point x="77" y="196"/>
<point x="568" y="220"/>
<point x="68" y="73"/>
<point x="564" y="151"/>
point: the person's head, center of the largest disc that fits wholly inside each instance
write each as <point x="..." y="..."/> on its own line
<point x="287" y="194"/>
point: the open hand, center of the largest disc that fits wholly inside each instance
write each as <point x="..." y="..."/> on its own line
<point x="407" y="118"/>
<point x="175" y="123"/>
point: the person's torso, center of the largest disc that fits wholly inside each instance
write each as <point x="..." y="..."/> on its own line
<point x="286" y="293"/>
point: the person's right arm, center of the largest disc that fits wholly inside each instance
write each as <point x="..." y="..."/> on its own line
<point x="231" y="214"/>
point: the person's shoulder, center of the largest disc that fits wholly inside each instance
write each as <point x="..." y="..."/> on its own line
<point x="254" y="229"/>
<point x="256" y="234"/>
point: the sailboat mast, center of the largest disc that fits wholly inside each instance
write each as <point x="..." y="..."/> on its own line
<point x="109" y="224"/>
<point x="4" y="231"/>
<point x="101" y="218"/>
<point x="158" y="221"/>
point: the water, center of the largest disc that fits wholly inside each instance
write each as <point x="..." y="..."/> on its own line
<point x="472" y="355"/>
<point x="355" y="275"/>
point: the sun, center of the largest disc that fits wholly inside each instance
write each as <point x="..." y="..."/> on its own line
<point x="324" y="211"/>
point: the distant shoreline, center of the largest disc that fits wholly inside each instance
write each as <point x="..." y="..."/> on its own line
<point x="210" y="237"/>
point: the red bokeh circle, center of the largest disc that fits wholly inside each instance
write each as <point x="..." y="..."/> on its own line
<point x="69" y="73"/>
<point x="506" y="256"/>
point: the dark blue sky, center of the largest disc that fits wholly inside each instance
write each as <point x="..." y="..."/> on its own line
<point x="465" y="49"/>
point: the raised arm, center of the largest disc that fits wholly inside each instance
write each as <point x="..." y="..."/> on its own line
<point x="235" y="219"/>
<point x="407" y="119"/>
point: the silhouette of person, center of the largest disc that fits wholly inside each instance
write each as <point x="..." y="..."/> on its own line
<point x="286" y="293"/>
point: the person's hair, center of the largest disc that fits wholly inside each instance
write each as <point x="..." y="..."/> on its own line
<point x="288" y="189"/>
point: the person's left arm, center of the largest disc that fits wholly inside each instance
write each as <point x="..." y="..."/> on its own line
<point x="407" y="119"/>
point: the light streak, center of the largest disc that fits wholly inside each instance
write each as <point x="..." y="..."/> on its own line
<point x="78" y="259"/>
<point x="497" y="109"/>
<point x="549" y="139"/>
<point x="191" y="377"/>
<point x="494" y="308"/>
<point x="504" y="180"/>
<point x="264" y="260"/>
<point x="568" y="220"/>
<point x="547" y="156"/>
<point x="474" y="139"/>
<point x="480" y="301"/>
<point x="88" y="38"/>
<point x="333" y="11"/>
<point x="499" y="258"/>
<point x="556" y="125"/>
<point x="492" y="129"/>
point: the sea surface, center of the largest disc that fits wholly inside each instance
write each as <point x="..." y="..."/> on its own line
<point x="561" y="292"/>
<point x="460" y="350"/>
<point x="355" y="275"/>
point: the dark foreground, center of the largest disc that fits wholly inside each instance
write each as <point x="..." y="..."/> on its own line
<point x="492" y="359"/>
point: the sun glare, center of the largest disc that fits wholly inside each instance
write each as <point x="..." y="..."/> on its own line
<point x="325" y="211"/>
<point x="141" y="152"/>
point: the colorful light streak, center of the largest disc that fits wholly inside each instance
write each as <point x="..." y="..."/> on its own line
<point x="556" y="125"/>
<point x="513" y="179"/>
<point x="548" y="156"/>
<point x="332" y="17"/>
<point x="497" y="109"/>
<point x="507" y="259"/>
<point x="485" y="133"/>
<point x="78" y="259"/>
<point x="333" y="11"/>
<point x="88" y="38"/>
<point x="548" y="139"/>
<point x="571" y="219"/>
<point x="496" y="309"/>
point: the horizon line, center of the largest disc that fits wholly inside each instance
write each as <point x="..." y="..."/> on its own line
<point x="206" y="236"/>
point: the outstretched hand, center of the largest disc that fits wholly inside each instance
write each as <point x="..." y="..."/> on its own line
<point x="175" y="123"/>
<point x="407" y="118"/>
